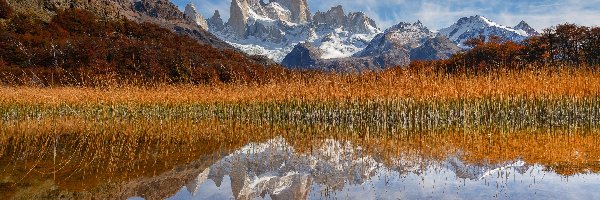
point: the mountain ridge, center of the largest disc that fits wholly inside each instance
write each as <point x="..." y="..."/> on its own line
<point x="474" y="26"/>
<point x="396" y="46"/>
<point x="333" y="40"/>
<point x="273" y="29"/>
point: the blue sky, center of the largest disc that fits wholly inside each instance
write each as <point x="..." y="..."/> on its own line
<point x="539" y="14"/>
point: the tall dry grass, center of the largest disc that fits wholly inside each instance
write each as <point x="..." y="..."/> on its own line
<point x="320" y="87"/>
<point x="81" y="137"/>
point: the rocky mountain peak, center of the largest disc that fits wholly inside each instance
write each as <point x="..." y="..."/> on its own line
<point x="408" y="27"/>
<point x="244" y="12"/>
<point x="438" y="47"/>
<point x="238" y="16"/>
<point x="298" y="9"/>
<point x="193" y="15"/>
<point x="334" y="17"/>
<point x="355" y="22"/>
<point x="525" y="27"/>
<point x="272" y="28"/>
<point x="359" y="22"/>
<point x="405" y="42"/>
<point x="158" y="9"/>
<point x="475" y="26"/>
<point x="215" y="23"/>
<point x="474" y="20"/>
<point x="304" y="55"/>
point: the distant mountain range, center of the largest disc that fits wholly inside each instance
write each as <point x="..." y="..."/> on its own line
<point x="470" y="27"/>
<point x="287" y="32"/>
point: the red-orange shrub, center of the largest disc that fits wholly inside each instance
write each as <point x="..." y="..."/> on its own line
<point x="78" y="47"/>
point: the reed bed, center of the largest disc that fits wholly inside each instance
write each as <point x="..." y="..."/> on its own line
<point x="82" y="138"/>
<point x="378" y="115"/>
<point x="391" y="100"/>
<point x="377" y="86"/>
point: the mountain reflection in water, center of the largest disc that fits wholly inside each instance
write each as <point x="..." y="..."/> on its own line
<point x="341" y="170"/>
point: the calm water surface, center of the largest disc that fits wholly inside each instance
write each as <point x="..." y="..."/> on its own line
<point x="341" y="170"/>
<point x="220" y="160"/>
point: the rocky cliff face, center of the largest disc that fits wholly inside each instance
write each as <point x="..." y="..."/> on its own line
<point x="298" y="8"/>
<point x="334" y="17"/>
<point x="215" y="23"/>
<point x="273" y="29"/>
<point x="238" y="15"/>
<point x="158" y="9"/>
<point x="355" y="22"/>
<point x="194" y="16"/>
<point x="245" y="12"/>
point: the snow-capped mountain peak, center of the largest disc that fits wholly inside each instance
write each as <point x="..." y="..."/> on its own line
<point x="397" y="46"/>
<point x="273" y="29"/>
<point x="400" y="36"/>
<point x="475" y="26"/>
<point x="528" y="29"/>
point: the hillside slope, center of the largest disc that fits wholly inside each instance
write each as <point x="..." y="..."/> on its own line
<point x="160" y="12"/>
<point x="78" y="47"/>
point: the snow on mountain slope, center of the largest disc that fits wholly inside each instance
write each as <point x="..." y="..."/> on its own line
<point x="402" y="35"/>
<point x="397" y="46"/>
<point x="528" y="29"/>
<point x="273" y="29"/>
<point x="475" y="26"/>
<point x="341" y="44"/>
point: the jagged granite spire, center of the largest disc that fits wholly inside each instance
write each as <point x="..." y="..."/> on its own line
<point x="243" y="11"/>
<point x="298" y="8"/>
<point x="192" y="14"/>
<point x="215" y="23"/>
<point x="272" y="28"/>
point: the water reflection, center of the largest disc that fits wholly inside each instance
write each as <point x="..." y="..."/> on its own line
<point x="231" y="160"/>
<point x="341" y="170"/>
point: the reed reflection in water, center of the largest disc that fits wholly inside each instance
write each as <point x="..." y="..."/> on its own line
<point x="74" y="158"/>
<point x="340" y="170"/>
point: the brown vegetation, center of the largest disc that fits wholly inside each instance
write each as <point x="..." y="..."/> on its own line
<point x="5" y="10"/>
<point x="134" y="122"/>
<point x="77" y="48"/>
<point x="563" y="46"/>
<point x="390" y="85"/>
